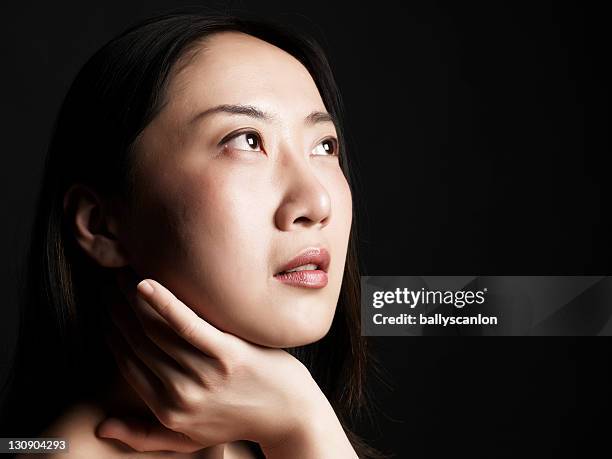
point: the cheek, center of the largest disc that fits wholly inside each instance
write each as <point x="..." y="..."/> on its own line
<point x="224" y="229"/>
<point x="219" y="242"/>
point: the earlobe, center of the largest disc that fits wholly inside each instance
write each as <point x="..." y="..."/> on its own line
<point x="89" y="217"/>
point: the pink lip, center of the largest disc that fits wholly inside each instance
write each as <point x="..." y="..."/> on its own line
<point x="308" y="279"/>
<point x="311" y="278"/>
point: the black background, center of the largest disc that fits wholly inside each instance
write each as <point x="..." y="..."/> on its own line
<point x="481" y="133"/>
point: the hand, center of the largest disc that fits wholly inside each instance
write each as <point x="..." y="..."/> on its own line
<point x="205" y="386"/>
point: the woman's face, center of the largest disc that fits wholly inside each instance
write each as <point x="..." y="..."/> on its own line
<point x="214" y="223"/>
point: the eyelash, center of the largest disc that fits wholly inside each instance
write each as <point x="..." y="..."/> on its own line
<point x="237" y="134"/>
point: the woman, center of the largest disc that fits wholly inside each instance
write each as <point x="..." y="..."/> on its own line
<point x="203" y="154"/>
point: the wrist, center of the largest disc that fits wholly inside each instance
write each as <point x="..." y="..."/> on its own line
<point x="318" y="434"/>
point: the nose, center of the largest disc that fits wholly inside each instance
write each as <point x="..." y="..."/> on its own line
<point x="306" y="201"/>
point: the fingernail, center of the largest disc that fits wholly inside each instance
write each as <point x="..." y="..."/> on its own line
<point x="145" y="287"/>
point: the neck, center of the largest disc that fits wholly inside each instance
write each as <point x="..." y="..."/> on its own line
<point x="121" y="400"/>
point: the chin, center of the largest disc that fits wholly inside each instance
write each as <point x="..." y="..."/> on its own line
<point x="293" y="335"/>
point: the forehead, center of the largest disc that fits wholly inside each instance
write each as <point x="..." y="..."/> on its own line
<point x="233" y="67"/>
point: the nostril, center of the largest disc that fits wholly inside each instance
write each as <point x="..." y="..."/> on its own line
<point x="301" y="219"/>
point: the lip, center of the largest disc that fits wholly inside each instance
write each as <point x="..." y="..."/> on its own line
<point x="310" y="278"/>
<point x="312" y="255"/>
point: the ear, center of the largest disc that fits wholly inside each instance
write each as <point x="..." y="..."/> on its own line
<point x="95" y="228"/>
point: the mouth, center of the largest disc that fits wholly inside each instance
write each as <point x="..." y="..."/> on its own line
<point x="312" y="258"/>
<point x="308" y="269"/>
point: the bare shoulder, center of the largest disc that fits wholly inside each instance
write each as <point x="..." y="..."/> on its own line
<point x="78" y="425"/>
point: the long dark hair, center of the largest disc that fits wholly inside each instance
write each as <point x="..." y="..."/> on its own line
<point x="61" y="357"/>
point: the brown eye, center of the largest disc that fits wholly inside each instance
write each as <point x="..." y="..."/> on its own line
<point x="248" y="141"/>
<point x="327" y="147"/>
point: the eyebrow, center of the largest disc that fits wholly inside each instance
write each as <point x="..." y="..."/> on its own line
<point x="312" y="118"/>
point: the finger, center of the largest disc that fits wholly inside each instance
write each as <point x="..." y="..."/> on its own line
<point x="188" y="357"/>
<point x="144" y="436"/>
<point x="164" y="367"/>
<point x="182" y="319"/>
<point x="146" y="384"/>
<point x="155" y="327"/>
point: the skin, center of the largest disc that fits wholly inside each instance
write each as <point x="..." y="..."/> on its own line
<point x="213" y="224"/>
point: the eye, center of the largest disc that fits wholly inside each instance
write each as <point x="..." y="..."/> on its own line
<point x="247" y="141"/>
<point x="327" y="147"/>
